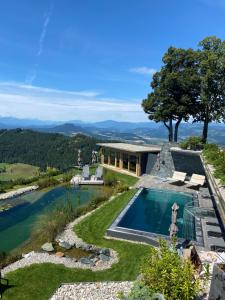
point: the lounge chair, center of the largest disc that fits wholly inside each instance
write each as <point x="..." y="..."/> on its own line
<point x="177" y="177"/>
<point x="85" y="172"/>
<point x="196" y="180"/>
<point x="99" y="173"/>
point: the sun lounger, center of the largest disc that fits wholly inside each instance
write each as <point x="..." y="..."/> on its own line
<point x="196" y="180"/>
<point x="99" y="173"/>
<point x="85" y="172"/>
<point x="178" y="177"/>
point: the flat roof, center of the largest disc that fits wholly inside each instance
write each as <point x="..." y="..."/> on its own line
<point x="130" y="147"/>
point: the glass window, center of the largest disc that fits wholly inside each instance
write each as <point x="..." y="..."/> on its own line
<point x="117" y="159"/>
<point x="125" y="161"/>
<point x="112" y="158"/>
<point x="106" y="154"/>
<point x="133" y="161"/>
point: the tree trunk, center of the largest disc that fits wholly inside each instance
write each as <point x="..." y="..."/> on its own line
<point x="170" y="130"/>
<point x="205" y="130"/>
<point x="176" y="130"/>
<point x="205" y="127"/>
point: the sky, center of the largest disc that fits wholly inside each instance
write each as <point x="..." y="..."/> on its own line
<point x="93" y="60"/>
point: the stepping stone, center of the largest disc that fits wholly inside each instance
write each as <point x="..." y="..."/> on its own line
<point x="47" y="247"/>
<point x="65" y="245"/>
<point x="60" y="254"/>
<point x="104" y="257"/>
<point x="86" y="261"/>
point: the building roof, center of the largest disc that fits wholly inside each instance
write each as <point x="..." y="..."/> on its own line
<point x="130" y="147"/>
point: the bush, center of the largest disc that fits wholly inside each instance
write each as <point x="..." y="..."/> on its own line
<point x="46" y="182"/>
<point x="120" y="188"/>
<point x="141" y="292"/>
<point x="110" y="178"/>
<point x="216" y="157"/>
<point x="164" y="272"/>
<point x="192" y="143"/>
<point x="7" y="259"/>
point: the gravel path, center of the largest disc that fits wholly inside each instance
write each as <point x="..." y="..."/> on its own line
<point x="92" y="291"/>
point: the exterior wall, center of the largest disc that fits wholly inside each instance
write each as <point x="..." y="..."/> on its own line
<point x="187" y="162"/>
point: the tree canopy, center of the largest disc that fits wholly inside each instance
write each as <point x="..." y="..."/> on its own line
<point x="190" y="84"/>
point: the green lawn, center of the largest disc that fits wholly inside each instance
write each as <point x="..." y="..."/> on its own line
<point x="40" y="281"/>
<point x="18" y="170"/>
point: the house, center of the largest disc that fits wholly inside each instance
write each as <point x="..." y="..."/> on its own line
<point x="129" y="158"/>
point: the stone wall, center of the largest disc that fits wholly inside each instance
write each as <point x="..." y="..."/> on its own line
<point x="188" y="162"/>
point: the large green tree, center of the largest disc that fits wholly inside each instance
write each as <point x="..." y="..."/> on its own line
<point x="175" y="90"/>
<point x="211" y="106"/>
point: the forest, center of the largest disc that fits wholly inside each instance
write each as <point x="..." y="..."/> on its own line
<point x="44" y="149"/>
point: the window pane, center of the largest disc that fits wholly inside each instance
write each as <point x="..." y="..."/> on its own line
<point x="125" y="161"/>
<point x="133" y="163"/>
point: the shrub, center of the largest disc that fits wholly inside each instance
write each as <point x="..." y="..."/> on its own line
<point x="164" y="272"/>
<point x="141" y="292"/>
<point x="215" y="156"/>
<point x="109" y="178"/>
<point x="46" y="182"/>
<point x="122" y="188"/>
<point x="7" y="259"/>
<point x="192" y="143"/>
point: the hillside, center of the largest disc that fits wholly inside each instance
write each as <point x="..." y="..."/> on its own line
<point x="42" y="149"/>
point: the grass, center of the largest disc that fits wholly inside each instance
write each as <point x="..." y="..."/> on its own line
<point x="18" y="170"/>
<point x="40" y="281"/>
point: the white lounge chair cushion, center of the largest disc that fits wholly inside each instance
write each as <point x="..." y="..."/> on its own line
<point x="178" y="176"/>
<point x="196" y="180"/>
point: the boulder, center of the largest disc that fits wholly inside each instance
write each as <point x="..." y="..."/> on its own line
<point x="86" y="261"/>
<point x="47" y="247"/>
<point x="104" y="257"/>
<point x="60" y="254"/>
<point x="105" y="251"/>
<point x="65" y="245"/>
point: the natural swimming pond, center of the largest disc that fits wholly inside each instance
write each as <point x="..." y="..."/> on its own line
<point x="150" y="211"/>
<point x="17" y="222"/>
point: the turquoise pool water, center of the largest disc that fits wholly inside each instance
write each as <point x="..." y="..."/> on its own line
<point x="16" y="223"/>
<point x="151" y="212"/>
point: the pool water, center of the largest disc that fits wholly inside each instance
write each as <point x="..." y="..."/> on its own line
<point x="16" y="223"/>
<point x="151" y="212"/>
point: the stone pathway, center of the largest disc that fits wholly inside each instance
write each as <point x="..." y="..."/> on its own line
<point x="92" y="291"/>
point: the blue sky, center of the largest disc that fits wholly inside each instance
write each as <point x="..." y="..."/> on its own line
<point x="92" y="59"/>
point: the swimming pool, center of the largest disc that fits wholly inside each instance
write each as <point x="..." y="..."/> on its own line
<point x="148" y="216"/>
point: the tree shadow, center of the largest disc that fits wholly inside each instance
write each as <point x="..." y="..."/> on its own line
<point x="5" y="287"/>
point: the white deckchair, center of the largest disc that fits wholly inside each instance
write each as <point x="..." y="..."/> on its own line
<point x="177" y="176"/>
<point x="99" y="173"/>
<point x="196" y="180"/>
<point x="85" y="172"/>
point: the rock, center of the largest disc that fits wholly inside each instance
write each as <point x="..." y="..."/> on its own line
<point x="60" y="254"/>
<point x="65" y="245"/>
<point x="91" y="256"/>
<point x="86" y="247"/>
<point x="47" y="247"/>
<point x="95" y="259"/>
<point x="28" y="254"/>
<point x="104" y="257"/>
<point x="105" y="251"/>
<point x="86" y="261"/>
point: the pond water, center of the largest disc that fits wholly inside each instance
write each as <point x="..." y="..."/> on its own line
<point x="17" y="222"/>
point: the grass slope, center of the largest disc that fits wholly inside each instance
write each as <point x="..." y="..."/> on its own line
<point x="15" y="171"/>
<point x="40" y="281"/>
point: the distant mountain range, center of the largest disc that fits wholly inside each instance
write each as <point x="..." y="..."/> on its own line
<point x="139" y="132"/>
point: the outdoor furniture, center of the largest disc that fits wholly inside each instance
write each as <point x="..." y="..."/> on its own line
<point x="99" y="173"/>
<point x="196" y="180"/>
<point x="177" y="177"/>
<point x="85" y="172"/>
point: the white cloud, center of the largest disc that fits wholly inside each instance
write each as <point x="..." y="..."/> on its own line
<point x="143" y="70"/>
<point x="26" y="101"/>
<point x="33" y="74"/>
